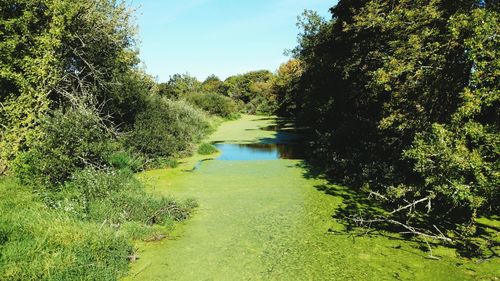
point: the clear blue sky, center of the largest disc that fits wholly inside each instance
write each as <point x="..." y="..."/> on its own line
<point x="221" y="37"/>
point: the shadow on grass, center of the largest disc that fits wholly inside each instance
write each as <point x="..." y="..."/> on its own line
<point x="357" y="204"/>
<point x="286" y="132"/>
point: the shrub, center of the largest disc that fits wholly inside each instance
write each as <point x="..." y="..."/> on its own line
<point x="71" y="141"/>
<point x="207" y="149"/>
<point x="117" y="197"/>
<point x="167" y="128"/>
<point x="215" y="104"/>
<point x="162" y="162"/>
<point x="125" y="160"/>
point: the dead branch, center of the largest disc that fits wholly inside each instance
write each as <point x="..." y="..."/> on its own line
<point x="409" y="229"/>
<point x="411" y="205"/>
<point x="376" y="194"/>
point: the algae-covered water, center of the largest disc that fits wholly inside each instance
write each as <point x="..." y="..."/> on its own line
<point x="263" y="217"/>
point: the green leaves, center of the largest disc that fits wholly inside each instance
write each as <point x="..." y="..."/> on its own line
<point x="52" y="50"/>
<point x="403" y="97"/>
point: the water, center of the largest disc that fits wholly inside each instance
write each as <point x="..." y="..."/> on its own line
<point x="287" y="144"/>
<point x="259" y="151"/>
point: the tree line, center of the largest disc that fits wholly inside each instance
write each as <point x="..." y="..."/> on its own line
<point x="403" y="101"/>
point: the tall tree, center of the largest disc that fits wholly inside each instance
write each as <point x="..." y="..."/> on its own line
<point x="403" y="97"/>
<point x="52" y="51"/>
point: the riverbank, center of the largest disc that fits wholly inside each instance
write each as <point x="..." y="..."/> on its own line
<point x="271" y="220"/>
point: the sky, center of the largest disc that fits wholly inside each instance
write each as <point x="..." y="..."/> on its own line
<point x="221" y="37"/>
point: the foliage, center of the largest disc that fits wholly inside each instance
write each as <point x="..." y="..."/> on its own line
<point x="42" y="244"/>
<point x="86" y="233"/>
<point x="124" y="160"/>
<point x="53" y="49"/>
<point x="285" y="87"/>
<point x="162" y="162"/>
<point x="207" y="149"/>
<point x="71" y="141"/>
<point x="253" y="91"/>
<point x="215" y="104"/>
<point x="71" y="95"/>
<point x="213" y="85"/>
<point x="167" y="128"/>
<point x="179" y="85"/>
<point x="402" y="97"/>
<point x="116" y="198"/>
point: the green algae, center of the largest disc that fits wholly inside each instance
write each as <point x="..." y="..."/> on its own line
<point x="268" y="220"/>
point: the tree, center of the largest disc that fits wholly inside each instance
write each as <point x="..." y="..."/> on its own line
<point x="253" y="91"/>
<point x="402" y="97"/>
<point x="54" y="50"/>
<point x="180" y="85"/>
<point x="285" y="87"/>
<point x="213" y="85"/>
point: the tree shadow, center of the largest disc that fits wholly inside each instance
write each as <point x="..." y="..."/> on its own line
<point x="286" y="131"/>
<point x="357" y="204"/>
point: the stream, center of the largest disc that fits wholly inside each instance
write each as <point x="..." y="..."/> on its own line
<point x="263" y="216"/>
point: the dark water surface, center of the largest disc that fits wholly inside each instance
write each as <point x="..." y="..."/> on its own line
<point x="260" y="151"/>
<point x="287" y="144"/>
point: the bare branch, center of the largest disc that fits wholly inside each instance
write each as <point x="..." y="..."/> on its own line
<point x="412" y="205"/>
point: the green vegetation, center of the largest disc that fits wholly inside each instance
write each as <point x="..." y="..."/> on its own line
<point x="271" y="220"/>
<point x="166" y="129"/>
<point x="206" y="149"/>
<point x="42" y="244"/>
<point x="402" y="98"/>
<point x="215" y="104"/>
<point x="70" y="142"/>
<point x="251" y="93"/>
<point x="122" y="160"/>
<point x="78" y="118"/>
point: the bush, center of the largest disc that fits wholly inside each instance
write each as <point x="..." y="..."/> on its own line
<point x="162" y="162"/>
<point x="167" y="128"/>
<point x="116" y="197"/>
<point x="125" y="160"/>
<point x="207" y="149"/>
<point x="71" y="141"/>
<point x="215" y="104"/>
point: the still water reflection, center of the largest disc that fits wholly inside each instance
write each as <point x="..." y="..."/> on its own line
<point x="258" y="151"/>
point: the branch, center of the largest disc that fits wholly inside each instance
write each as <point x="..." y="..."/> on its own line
<point x="412" y="205"/>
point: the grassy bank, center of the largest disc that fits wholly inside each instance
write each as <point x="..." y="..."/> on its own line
<point x="83" y="227"/>
<point x="38" y="242"/>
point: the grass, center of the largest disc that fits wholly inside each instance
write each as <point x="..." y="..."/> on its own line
<point x="38" y="243"/>
<point x="207" y="149"/>
<point x="268" y="220"/>
<point x="83" y="232"/>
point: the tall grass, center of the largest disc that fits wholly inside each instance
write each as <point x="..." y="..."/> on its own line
<point x="206" y="149"/>
<point x="84" y="231"/>
<point x="39" y="243"/>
